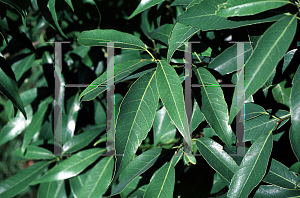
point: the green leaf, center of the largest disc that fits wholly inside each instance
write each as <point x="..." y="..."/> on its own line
<point x="121" y="71"/>
<point x="9" y="88"/>
<point x="205" y="12"/>
<point x="71" y="166"/>
<point x="294" y="139"/>
<point x="218" y="184"/>
<point x="51" y="7"/>
<point x="34" y="152"/>
<point x="163" y="128"/>
<point x="270" y="48"/>
<point x="282" y="93"/>
<point x="252" y="168"/>
<point x="162" y="183"/>
<point x="225" y="63"/>
<point x="135" y="168"/>
<point x="214" y="107"/>
<point x="69" y="2"/>
<point x="36" y="123"/>
<point x="217" y="158"/>
<point x="100" y="37"/>
<point x="197" y="116"/>
<point x="15" y="127"/>
<point x="98" y="180"/>
<point x="181" y="2"/>
<point x="162" y="33"/>
<point x="295" y="168"/>
<point x="54" y="189"/>
<point x="135" y="118"/>
<point x="252" y="110"/>
<point x="144" y="5"/>
<point x="295" y="111"/>
<point x="81" y="140"/>
<point x="189" y="159"/>
<point x="248" y="7"/>
<point x="279" y="175"/>
<point x="77" y="182"/>
<point x="180" y="34"/>
<point x="21" y="11"/>
<point x="20" y="181"/>
<point x="275" y="192"/>
<point x="22" y="66"/>
<point x="171" y="93"/>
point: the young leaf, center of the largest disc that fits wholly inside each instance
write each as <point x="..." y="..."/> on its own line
<point x="180" y="33"/>
<point x="246" y="7"/>
<point x="121" y="71"/>
<point x="71" y="166"/>
<point x="205" y="12"/>
<point x="270" y="48"/>
<point x="69" y="2"/>
<point x="100" y="37"/>
<point x="252" y="168"/>
<point x="98" y="180"/>
<point x="135" y="168"/>
<point x="214" y="107"/>
<point x="217" y="158"/>
<point x="135" y="118"/>
<point x="19" y="182"/>
<point x="162" y="183"/>
<point x="171" y="93"/>
<point x="144" y="5"/>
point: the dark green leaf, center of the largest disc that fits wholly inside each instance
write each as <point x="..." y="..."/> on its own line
<point x="144" y="5"/>
<point x="19" y="182"/>
<point x="171" y="93"/>
<point x="252" y="168"/>
<point x="71" y="166"/>
<point x="162" y="33"/>
<point x="135" y="118"/>
<point x="34" y="152"/>
<point x="54" y="189"/>
<point x="214" y="107"/>
<point x="51" y="6"/>
<point x="282" y="93"/>
<point x="21" y="67"/>
<point x="275" y="192"/>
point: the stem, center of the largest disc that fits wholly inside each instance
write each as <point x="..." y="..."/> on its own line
<point x="150" y="54"/>
<point x="282" y="119"/>
<point x="198" y="57"/>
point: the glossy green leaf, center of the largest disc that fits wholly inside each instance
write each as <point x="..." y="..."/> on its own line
<point x="279" y="175"/>
<point x="252" y="168"/>
<point x="295" y="106"/>
<point x="36" y="123"/>
<point x="51" y="7"/>
<point x="98" y="180"/>
<point x="144" y="5"/>
<point x="294" y="139"/>
<point x="282" y="93"/>
<point x="162" y="183"/>
<point x="275" y="192"/>
<point x="248" y="7"/>
<point x="171" y="93"/>
<point x="295" y="168"/>
<point x="71" y="166"/>
<point x="136" y="167"/>
<point x="54" y="189"/>
<point x="69" y="2"/>
<point x="21" y="67"/>
<point x="20" y="181"/>
<point x="34" y="152"/>
<point x="135" y="118"/>
<point x="162" y="33"/>
<point x="214" y="107"/>
<point x="225" y="63"/>
<point x="9" y="88"/>
<point x="121" y="71"/>
<point x="189" y="159"/>
<point x="181" y="33"/>
<point x="205" y="12"/>
<point x="252" y="110"/>
<point x="181" y="2"/>
<point x="77" y="182"/>
<point x="197" y="116"/>
<point x="163" y="128"/>
<point x="15" y="127"/>
<point x="269" y="50"/>
<point x="217" y="158"/>
<point x="81" y="140"/>
<point x="101" y="37"/>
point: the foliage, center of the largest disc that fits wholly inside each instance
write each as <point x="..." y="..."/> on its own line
<point x="152" y="121"/>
